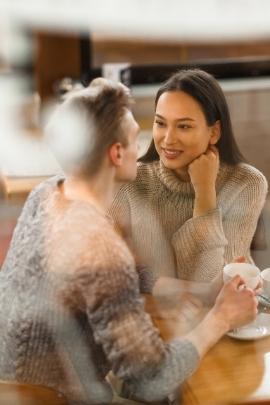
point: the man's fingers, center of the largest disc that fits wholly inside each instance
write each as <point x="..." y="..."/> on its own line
<point x="237" y="281"/>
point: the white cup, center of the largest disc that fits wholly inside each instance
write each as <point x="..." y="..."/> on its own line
<point x="249" y="273"/>
<point x="265" y="275"/>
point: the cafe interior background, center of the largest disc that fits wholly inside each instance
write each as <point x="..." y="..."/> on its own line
<point x="48" y="47"/>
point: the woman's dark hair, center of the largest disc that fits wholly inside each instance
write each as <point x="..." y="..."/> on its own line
<point x="203" y="88"/>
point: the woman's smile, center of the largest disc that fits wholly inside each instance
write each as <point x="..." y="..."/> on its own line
<point x="171" y="153"/>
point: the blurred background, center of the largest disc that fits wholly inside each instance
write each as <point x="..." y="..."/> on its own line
<point x="47" y="48"/>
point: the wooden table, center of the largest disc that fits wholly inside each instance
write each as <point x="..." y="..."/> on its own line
<point x="12" y="393"/>
<point x="13" y="193"/>
<point x="233" y="371"/>
<point x="17" y="188"/>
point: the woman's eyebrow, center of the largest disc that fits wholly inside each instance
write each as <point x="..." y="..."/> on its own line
<point x="178" y="119"/>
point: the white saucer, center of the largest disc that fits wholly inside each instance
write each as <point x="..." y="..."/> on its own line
<point x="254" y="330"/>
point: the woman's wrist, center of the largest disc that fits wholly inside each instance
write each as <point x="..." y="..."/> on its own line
<point x="202" y="188"/>
<point x="205" y="199"/>
<point x="204" y="205"/>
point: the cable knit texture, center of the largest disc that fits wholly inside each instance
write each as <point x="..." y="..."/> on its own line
<point x="155" y="215"/>
<point x="70" y="308"/>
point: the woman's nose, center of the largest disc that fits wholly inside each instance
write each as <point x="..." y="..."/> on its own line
<point x="170" y="137"/>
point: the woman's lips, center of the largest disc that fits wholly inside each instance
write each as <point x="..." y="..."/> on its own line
<point x="171" y="153"/>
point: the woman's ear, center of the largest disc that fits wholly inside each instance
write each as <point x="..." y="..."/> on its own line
<point x="116" y="154"/>
<point x="215" y="133"/>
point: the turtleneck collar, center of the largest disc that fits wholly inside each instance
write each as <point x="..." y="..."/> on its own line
<point x="172" y="182"/>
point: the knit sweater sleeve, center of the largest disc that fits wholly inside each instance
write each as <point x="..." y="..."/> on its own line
<point x="151" y="368"/>
<point x="121" y="214"/>
<point x="240" y="225"/>
<point x="204" y="243"/>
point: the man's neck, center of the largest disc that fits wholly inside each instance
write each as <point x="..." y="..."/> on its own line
<point x="99" y="190"/>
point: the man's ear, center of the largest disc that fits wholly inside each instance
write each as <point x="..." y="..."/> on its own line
<point x="215" y="133"/>
<point x="116" y="154"/>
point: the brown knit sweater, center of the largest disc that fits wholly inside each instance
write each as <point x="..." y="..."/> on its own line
<point x="155" y="214"/>
<point x="70" y="308"/>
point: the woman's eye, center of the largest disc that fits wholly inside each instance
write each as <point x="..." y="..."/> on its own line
<point x="160" y="123"/>
<point x="184" y="126"/>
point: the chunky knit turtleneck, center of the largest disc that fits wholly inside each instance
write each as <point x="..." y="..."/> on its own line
<point x="155" y="214"/>
<point x="70" y="308"/>
<point x="173" y="182"/>
<point x="170" y="179"/>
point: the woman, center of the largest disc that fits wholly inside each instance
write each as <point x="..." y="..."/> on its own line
<point x="195" y="203"/>
<point x="70" y="308"/>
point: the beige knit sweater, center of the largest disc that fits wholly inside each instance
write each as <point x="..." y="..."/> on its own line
<point x="155" y="214"/>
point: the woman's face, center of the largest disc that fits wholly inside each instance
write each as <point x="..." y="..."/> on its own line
<point x="180" y="130"/>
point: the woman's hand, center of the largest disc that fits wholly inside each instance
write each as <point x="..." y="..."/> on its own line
<point x="203" y="170"/>
<point x="217" y="283"/>
<point x="203" y="173"/>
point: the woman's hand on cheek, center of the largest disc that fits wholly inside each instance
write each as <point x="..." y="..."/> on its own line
<point x="203" y="170"/>
<point x="203" y="174"/>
